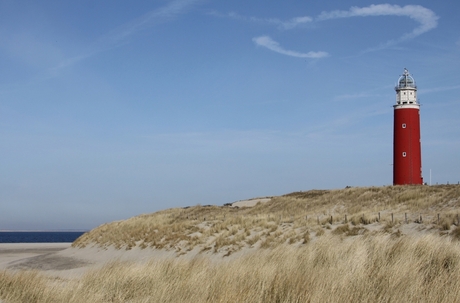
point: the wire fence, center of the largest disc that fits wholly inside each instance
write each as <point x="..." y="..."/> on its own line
<point x="379" y="217"/>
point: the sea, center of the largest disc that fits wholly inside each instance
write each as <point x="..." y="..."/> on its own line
<point x="39" y="236"/>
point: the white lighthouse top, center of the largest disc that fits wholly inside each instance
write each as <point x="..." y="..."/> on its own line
<point x="406" y="92"/>
<point x="405" y="81"/>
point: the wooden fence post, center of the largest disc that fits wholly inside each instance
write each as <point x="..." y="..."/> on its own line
<point x="346" y="221"/>
<point x="392" y="218"/>
<point x="318" y="219"/>
<point x="405" y="217"/>
<point x="379" y="216"/>
<point x="438" y="219"/>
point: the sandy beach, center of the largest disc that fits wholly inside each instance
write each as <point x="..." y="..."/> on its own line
<point x="27" y="255"/>
<point x="54" y="259"/>
<point x="62" y="260"/>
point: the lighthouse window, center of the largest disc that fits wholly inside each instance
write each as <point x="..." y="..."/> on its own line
<point x="404" y="125"/>
<point x="404" y="154"/>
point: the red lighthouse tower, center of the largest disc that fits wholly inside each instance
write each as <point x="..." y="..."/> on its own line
<point x="407" y="155"/>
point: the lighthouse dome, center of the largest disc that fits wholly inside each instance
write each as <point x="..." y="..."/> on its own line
<point x="406" y="80"/>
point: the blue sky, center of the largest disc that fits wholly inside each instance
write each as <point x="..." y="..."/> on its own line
<point x="113" y="109"/>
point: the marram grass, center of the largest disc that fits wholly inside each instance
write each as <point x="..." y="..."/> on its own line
<point x="377" y="268"/>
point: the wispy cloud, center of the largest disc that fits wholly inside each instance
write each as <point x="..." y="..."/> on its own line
<point x="281" y="24"/>
<point x="237" y="16"/>
<point x="160" y="15"/>
<point x="121" y="35"/>
<point x="295" y="22"/>
<point x="426" y="18"/>
<point x="267" y="42"/>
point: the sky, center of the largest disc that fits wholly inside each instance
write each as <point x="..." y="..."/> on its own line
<point x="112" y="109"/>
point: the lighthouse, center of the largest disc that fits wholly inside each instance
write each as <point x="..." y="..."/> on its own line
<point x="407" y="155"/>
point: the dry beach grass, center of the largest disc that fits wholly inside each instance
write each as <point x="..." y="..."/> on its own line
<point x="292" y="217"/>
<point x="379" y="268"/>
<point x="272" y="252"/>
